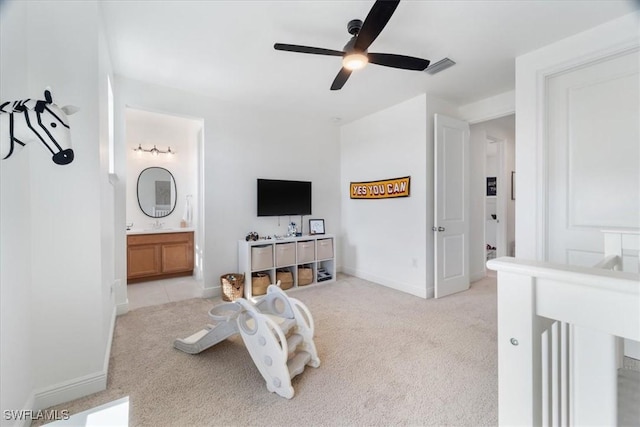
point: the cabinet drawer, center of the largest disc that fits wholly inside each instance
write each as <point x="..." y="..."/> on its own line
<point x="285" y="254"/>
<point x="149" y="239"/>
<point x="306" y="251"/>
<point x="325" y="248"/>
<point x="261" y="257"/>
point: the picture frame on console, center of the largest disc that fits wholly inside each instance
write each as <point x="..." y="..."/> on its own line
<point x="316" y="226"/>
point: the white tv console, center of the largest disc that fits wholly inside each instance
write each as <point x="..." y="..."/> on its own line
<point x="317" y="252"/>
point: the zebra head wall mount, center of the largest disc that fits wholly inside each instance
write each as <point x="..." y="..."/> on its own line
<point x="37" y="120"/>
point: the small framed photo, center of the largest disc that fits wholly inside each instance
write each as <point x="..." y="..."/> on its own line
<point x="492" y="184"/>
<point x="316" y="226"/>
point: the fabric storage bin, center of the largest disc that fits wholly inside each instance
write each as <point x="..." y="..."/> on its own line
<point x="285" y="254"/>
<point x="259" y="283"/>
<point x="306" y="251"/>
<point x="305" y="275"/>
<point x="261" y="257"/>
<point x="286" y="278"/>
<point x="325" y="248"/>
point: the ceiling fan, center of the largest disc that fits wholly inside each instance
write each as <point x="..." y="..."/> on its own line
<point x="355" y="54"/>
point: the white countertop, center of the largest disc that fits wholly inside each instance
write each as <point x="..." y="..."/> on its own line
<point x="159" y="230"/>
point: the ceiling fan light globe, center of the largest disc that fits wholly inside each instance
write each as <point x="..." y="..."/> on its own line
<point x="355" y="61"/>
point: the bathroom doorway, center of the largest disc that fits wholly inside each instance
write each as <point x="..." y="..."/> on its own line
<point x="171" y="144"/>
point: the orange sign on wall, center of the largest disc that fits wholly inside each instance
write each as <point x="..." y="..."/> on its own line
<point x="384" y="189"/>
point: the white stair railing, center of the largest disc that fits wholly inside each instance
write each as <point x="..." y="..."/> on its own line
<point x="559" y="330"/>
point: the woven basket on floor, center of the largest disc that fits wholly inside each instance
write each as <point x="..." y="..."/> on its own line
<point x="305" y="276"/>
<point x="285" y="277"/>
<point x="232" y="286"/>
<point x="259" y="283"/>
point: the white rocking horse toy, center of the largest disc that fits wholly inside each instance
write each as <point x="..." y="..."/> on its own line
<point x="277" y="330"/>
<point x="29" y="120"/>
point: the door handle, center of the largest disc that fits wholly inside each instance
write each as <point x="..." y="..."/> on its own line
<point x="440" y="228"/>
<point x="437" y="229"/>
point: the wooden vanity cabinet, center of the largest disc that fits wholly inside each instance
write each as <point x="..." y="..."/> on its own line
<point x="159" y="255"/>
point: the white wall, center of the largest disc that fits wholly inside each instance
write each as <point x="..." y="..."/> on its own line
<point x="490" y="108"/>
<point x="390" y="241"/>
<point x="17" y="380"/>
<point x="531" y="71"/>
<point x="242" y="144"/>
<point x="385" y="240"/>
<point x="54" y="276"/>
<point x="107" y="199"/>
<point x="181" y="134"/>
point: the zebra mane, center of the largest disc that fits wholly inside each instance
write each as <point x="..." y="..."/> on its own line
<point x="21" y="106"/>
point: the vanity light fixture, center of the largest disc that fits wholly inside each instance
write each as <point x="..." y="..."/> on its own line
<point x="154" y="151"/>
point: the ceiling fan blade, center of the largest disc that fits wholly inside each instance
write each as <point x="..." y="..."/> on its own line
<point x="375" y="22"/>
<point x="340" y="79"/>
<point x="307" y="49"/>
<point x="398" y="61"/>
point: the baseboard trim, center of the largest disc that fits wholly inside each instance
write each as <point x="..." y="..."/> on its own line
<point x="107" y="353"/>
<point x="70" y="390"/>
<point x="211" y="292"/>
<point x="477" y="276"/>
<point x="393" y="284"/>
<point x="431" y="292"/>
<point x="122" y="308"/>
<point x="78" y="387"/>
<point x="28" y="406"/>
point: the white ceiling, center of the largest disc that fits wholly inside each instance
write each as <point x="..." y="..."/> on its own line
<point x="224" y="49"/>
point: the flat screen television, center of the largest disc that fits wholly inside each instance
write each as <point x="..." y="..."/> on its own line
<point x="279" y="197"/>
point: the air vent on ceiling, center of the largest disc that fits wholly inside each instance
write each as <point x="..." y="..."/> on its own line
<point x="443" y="64"/>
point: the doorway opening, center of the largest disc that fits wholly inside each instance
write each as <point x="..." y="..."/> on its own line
<point x="172" y="145"/>
<point x="492" y="192"/>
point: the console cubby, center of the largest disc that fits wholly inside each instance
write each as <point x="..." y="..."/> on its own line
<point x="292" y="253"/>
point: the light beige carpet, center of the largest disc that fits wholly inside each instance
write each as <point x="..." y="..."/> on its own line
<point x="388" y="358"/>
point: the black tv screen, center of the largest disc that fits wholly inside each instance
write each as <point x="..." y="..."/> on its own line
<point x="278" y="197"/>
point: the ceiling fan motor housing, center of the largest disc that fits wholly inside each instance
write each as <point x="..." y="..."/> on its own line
<point x="348" y="48"/>
<point x="354" y="26"/>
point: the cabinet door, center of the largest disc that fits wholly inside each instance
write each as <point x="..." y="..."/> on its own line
<point x="177" y="257"/>
<point x="143" y="260"/>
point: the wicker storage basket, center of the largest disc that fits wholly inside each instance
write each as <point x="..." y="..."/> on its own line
<point x="232" y="286"/>
<point x="305" y="275"/>
<point x="259" y="283"/>
<point x="285" y="277"/>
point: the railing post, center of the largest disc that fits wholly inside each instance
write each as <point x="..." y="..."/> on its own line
<point x="519" y="351"/>
<point x="613" y="246"/>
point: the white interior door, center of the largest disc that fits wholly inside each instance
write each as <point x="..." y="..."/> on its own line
<point x="593" y="157"/>
<point x="451" y="207"/>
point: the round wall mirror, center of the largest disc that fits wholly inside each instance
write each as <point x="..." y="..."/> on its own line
<point x="156" y="192"/>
